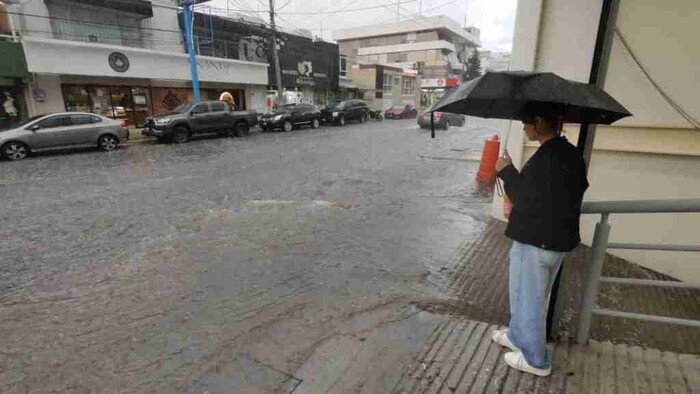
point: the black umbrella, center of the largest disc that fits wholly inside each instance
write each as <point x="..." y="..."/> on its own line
<point x="502" y="95"/>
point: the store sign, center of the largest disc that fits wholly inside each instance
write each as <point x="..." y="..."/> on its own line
<point x="118" y="61"/>
<point x="213" y="65"/>
<point x="439" y="82"/>
<point x="305" y="76"/>
<point x="135" y="63"/>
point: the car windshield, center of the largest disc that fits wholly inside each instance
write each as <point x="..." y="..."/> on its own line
<point x="331" y="104"/>
<point x="21" y="122"/>
<point x="181" y="109"/>
<point x="340" y="105"/>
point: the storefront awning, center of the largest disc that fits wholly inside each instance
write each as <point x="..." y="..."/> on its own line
<point x="13" y="64"/>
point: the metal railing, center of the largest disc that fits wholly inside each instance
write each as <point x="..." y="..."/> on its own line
<point x="600" y="244"/>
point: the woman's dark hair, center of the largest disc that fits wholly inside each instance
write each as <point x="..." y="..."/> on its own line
<point x="548" y="112"/>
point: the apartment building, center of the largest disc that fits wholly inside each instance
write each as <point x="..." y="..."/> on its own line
<point x="436" y="47"/>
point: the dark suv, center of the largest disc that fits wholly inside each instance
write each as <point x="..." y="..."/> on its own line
<point x="290" y="116"/>
<point x="345" y="111"/>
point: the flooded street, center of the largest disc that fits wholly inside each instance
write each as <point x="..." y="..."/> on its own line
<point x="278" y="262"/>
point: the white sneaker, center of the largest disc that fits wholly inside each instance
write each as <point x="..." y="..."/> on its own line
<point x="501" y="338"/>
<point x="517" y="360"/>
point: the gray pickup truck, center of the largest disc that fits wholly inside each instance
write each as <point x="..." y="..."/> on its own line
<point x="201" y="118"/>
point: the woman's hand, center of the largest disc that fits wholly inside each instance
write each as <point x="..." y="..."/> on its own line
<point x="503" y="161"/>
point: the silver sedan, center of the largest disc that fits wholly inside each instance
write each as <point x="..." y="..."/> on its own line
<point x="65" y="130"/>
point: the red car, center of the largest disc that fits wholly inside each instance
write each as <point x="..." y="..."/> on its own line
<point x="407" y="112"/>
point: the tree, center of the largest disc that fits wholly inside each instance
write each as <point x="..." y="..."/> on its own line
<point x="473" y="67"/>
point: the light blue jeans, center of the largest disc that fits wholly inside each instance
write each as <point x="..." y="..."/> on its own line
<point x="532" y="273"/>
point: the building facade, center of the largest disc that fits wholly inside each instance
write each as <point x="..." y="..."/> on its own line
<point x="385" y="87"/>
<point x="309" y="68"/>
<point x="436" y="47"/>
<point x="494" y="61"/>
<point x="654" y="154"/>
<point x="122" y="59"/>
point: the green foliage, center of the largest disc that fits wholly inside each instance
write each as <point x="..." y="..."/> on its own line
<point x="473" y="67"/>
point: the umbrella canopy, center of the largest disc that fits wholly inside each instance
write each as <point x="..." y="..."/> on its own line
<point x="502" y="95"/>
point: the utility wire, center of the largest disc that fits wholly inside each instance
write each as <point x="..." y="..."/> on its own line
<point x="350" y="10"/>
<point x="685" y="114"/>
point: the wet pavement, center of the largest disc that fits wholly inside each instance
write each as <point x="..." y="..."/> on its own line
<point x="271" y="263"/>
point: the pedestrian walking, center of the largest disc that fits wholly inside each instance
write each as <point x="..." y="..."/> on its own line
<point x="544" y="224"/>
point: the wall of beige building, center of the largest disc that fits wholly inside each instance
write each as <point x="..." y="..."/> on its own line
<point x="656" y="153"/>
<point x="365" y="80"/>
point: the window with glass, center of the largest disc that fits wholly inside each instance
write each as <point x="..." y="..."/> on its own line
<point x="54" y="121"/>
<point x="76" y="99"/>
<point x="142" y="104"/>
<point x="83" y="119"/>
<point x="343" y="65"/>
<point x="77" y="21"/>
<point x="201" y="108"/>
<point x="101" y="102"/>
<point x="391" y="81"/>
<point x="409" y="85"/>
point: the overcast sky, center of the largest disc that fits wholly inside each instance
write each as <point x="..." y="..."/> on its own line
<point x="495" y="18"/>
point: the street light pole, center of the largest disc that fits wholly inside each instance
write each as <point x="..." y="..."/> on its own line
<point x="189" y="42"/>
<point x="275" y="55"/>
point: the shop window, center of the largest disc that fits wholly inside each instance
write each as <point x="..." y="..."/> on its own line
<point x="142" y="104"/>
<point x="122" y="104"/>
<point x="101" y="102"/>
<point x="76" y="99"/>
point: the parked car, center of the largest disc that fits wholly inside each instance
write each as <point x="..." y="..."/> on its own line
<point x="345" y="111"/>
<point x="407" y="112"/>
<point x="289" y="116"/>
<point x="443" y="120"/>
<point x="201" y="118"/>
<point x="65" y="130"/>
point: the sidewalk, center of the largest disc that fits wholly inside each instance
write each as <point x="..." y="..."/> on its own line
<point x="460" y="357"/>
<point x="136" y="136"/>
<point x="622" y="357"/>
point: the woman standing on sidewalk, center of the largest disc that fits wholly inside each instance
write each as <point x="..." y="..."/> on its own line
<point x="544" y="224"/>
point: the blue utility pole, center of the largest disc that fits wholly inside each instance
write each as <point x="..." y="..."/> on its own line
<point x="189" y="41"/>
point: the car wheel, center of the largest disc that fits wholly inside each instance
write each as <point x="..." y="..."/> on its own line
<point x="287" y="126"/>
<point x="315" y="124"/>
<point x="341" y="120"/>
<point x="107" y="142"/>
<point x="14" y="151"/>
<point x="241" y="128"/>
<point x="447" y="125"/>
<point x="181" y="135"/>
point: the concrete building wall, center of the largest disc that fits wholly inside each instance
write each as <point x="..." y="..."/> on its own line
<point x="52" y="101"/>
<point x="656" y="153"/>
